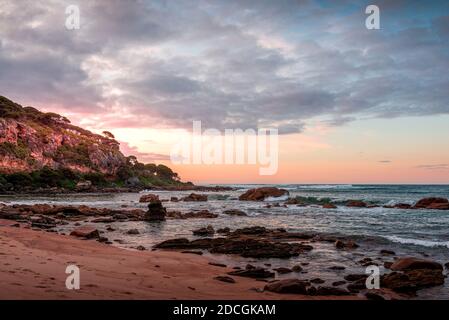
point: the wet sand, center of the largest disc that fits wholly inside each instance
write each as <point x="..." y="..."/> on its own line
<point x="33" y="264"/>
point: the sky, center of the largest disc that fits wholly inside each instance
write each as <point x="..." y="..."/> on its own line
<point x="351" y="105"/>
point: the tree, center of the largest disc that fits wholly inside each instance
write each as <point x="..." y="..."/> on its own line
<point x="109" y="135"/>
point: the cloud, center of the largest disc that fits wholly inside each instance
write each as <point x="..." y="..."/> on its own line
<point x="230" y="64"/>
<point x="384" y="161"/>
<point x="443" y="166"/>
<point x="128" y="150"/>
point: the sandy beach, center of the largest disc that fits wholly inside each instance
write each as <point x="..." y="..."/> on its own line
<point x="33" y="266"/>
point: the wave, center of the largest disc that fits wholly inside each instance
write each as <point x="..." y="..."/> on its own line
<point x="425" y="243"/>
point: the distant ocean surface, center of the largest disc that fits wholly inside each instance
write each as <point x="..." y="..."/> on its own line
<point x="422" y="233"/>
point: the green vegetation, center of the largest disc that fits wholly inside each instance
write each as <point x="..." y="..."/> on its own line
<point x="78" y="154"/>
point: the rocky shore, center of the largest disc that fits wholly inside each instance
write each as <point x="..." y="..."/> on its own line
<point x="402" y="277"/>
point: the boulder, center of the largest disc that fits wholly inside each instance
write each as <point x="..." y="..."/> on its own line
<point x="224" y="279"/>
<point x="156" y="212"/>
<point x="432" y="203"/>
<point x="292" y="286"/>
<point x="132" y="231"/>
<point x="260" y="194"/>
<point x="356" y="204"/>
<point x="225" y="230"/>
<point x="282" y="270"/>
<point x="340" y="244"/>
<point x="234" y="212"/>
<point x="412" y="280"/>
<point x="149" y="198"/>
<point x="195" y="197"/>
<point x="411" y="263"/>
<point x="86" y="232"/>
<point x="402" y="206"/>
<point x="257" y="272"/>
<point x="83" y="185"/>
<point x="206" y="231"/>
<point x="203" y="214"/>
<point x="329" y="206"/>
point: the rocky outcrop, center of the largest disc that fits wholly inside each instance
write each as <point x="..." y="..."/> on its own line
<point x="260" y="194"/>
<point x="195" y="197"/>
<point x="201" y="214"/>
<point x="156" y="212"/>
<point x="356" y="204"/>
<point x="410" y="263"/>
<point x="234" y="212"/>
<point x="203" y="232"/>
<point x="432" y="203"/>
<point x="149" y="198"/>
<point x="86" y="232"/>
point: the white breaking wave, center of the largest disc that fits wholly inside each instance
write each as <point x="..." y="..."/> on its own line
<point x="425" y="243"/>
<point x="281" y="198"/>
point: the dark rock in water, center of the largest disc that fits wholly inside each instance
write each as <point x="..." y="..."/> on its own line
<point x="156" y="212"/>
<point x="251" y="231"/>
<point x="202" y="214"/>
<point x="338" y="283"/>
<point x="374" y="296"/>
<point x="207" y="231"/>
<point x="337" y="268"/>
<point x="283" y="270"/>
<point x="86" y="232"/>
<point x="120" y="216"/>
<point x="195" y="197"/>
<point x="412" y="280"/>
<point x="411" y="263"/>
<point x="292" y="201"/>
<point x="339" y="244"/>
<point x="216" y="264"/>
<point x="234" y="212"/>
<point x="292" y="286"/>
<point x="103" y="240"/>
<point x="358" y="285"/>
<point x="225" y="230"/>
<point x="179" y="243"/>
<point x="133" y="231"/>
<point x="297" y="268"/>
<point x="149" y="198"/>
<point x="355" y="277"/>
<point x="257" y="272"/>
<point x="193" y="252"/>
<point x="260" y="194"/>
<point x="402" y="206"/>
<point x="446" y="265"/>
<point x="317" y="281"/>
<point x="225" y="279"/>
<point x="388" y="264"/>
<point x="356" y="203"/>
<point x="331" y="291"/>
<point x="174" y="199"/>
<point x="386" y="252"/>
<point x="109" y="228"/>
<point x="329" y="206"/>
<point x="141" y="248"/>
<point x="432" y="203"/>
<point x="103" y="220"/>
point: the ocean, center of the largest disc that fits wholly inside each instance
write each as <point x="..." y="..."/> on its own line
<point x="421" y="233"/>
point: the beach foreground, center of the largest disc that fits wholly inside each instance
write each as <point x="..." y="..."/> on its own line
<point x="33" y="265"/>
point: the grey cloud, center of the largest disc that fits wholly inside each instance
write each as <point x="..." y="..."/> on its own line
<point x="443" y="166"/>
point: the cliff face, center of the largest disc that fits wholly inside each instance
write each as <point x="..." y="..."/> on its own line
<point x="31" y="140"/>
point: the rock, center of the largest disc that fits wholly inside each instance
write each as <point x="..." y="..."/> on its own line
<point x="317" y="281"/>
<point x="337" y="268"/>
<point x="402" y="206"/>
<point x="120" y="216"/>
<point x="292" y="201"/>
<point x="103" y="220"/>
<point x="386" y="252"/>
<point x="206" y="231"/>
<point x="109" y="228"/>
<point x="149" y="198"/>
<point x="292" y="286"/>
<point x="412" y="280"/>
<point x="216" y="264"/>
<point x="83" y="185"/>
<point x="174" y="199"/>
<point x="329" y="206"/>
<point x="225" y="279"/>
<point x="141" y="248"/>
<point x="331" y="291"/>
<point x="86" y="232"/>
<point x="179" y="243"/>
<point x="225" y="230"/>
<point x="356" y="203"/>
<point x="338" y="283"/>
<point x="195" y="197"/>
<point x="446" y="265"/>
<point x="297" y="268"/>
<point x="374" y="296"/>
<point x="103" y="240"/>
<point x="411" y="263"/>
<point x="197" y="252"/>
<point x="339" y="244"/>
<point x="282" y="270"/>
<point x="156" y="212"/>
<point x="260" y="194"/>
<point x="133" y="231"/>
<point x="234" y="212"/>
<point x="202" y="214"/>
<point x="432" y="203"/>
<point x="259" y="273"/>
<point x="355" y="277"/>
<point x="388" y="264"/>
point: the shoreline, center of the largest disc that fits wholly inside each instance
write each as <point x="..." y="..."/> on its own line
<point x="34" y="262"/>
